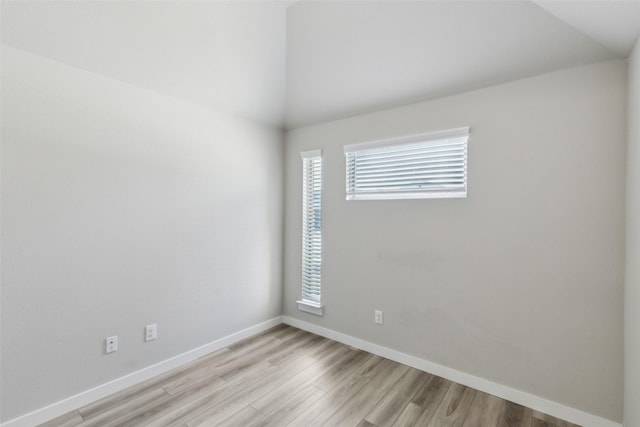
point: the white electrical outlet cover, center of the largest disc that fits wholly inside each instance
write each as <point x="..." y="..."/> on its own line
<point x="378" y="316"/>
<point x="150" y="332"/>
<point x="111" y="344"/>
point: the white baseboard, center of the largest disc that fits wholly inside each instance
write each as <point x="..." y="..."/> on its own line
<point x="543" y="405"/>
<point x="520" y="397"/>
<point x="74" y="402"/>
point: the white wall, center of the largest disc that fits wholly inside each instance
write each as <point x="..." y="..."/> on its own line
<point x="123" y="207"/>
<point x="632" y="278"/>
<point x="520" y="283"/>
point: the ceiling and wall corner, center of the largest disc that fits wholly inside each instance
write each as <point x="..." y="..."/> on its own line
<point x="614" y="24"/>
<point x="293" y="63"/>
<point x="348" y="58"/>
<point x="224" y="55"/>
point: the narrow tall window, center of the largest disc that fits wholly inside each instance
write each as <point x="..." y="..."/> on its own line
<point x="431" y="165"/>
<point x="311" y="232"/>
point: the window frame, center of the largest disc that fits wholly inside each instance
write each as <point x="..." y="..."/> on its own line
<point x="428" y="139"/>
<point x="311" y="232"/>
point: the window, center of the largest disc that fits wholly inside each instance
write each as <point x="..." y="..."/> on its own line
<point x="432" y="165"/>
<point x="311" y="232"/>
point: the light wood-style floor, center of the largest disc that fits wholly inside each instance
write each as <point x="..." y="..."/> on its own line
<point x="289" y="377"/>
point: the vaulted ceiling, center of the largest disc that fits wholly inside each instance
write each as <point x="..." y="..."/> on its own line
<point x="289" y="63"/>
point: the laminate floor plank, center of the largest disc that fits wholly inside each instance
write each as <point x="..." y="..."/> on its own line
<point x="119" y="414"/>
<point x="289" y="377"/>
<point x="353" y="384"/>
<point x="269" y="350"/>
<point x="409" y="416"/>
<point x="428" y="399"/>
<point x="234" y="367"/>
<point x="514" y="415"/>
<point x="187" y="405"/>
<point x="241" y="418"/>
<point x="232" y="355"/>
<point x="322" y="409"/>
<point x="286" y="410"/>
<point x="276" y="395"/>
<point x="315" y="346"/>
<point x="284" y="331"/>
<point x="191" y="380"/>
<point x="157" y="409"/>
<point x="269" y="344"/>
<point x="300" y="347"/>
<point x="453" y="409"/>
<point x="70" y="419"/>
<point x="392" y="404"/>
<point x="541" y="420"/>
<point x="349" y="363"/>
<point x="92" y="409"/>
<point x="484" y="410"/>
<point x="318" y="353"/>
<point x="268" y="335"/>
<point x="370" y="367"/>
<point x="192" y="407"/>
<point x="431" y="393"/>
<point x="200" y="392"/>
<point x="244" y="397"/>
<point x="355" y="409"/>
<point x="255" y="390"/>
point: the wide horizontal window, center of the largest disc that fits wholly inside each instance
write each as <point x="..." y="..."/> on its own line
<point x="431" y="165"/>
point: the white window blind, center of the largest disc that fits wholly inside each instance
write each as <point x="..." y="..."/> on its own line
<point x="311" y="231"/>
<point x="420" y="166"/>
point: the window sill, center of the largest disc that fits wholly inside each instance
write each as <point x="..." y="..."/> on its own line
<point x="311" y="308"/>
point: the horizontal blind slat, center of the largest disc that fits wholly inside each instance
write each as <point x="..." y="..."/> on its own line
<point x="408" y="153"/>
<point x="441" y="157"/>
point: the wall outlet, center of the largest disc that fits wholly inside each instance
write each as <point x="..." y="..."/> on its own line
<point x="377" y="317"/>
<point x="150" y="332"/>
<point x="111" y="344"/>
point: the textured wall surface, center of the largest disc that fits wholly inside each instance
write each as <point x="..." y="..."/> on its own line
<point x="520" y="283"/>
<point x="632" y="279"/>
<point x="120" y="208"/>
